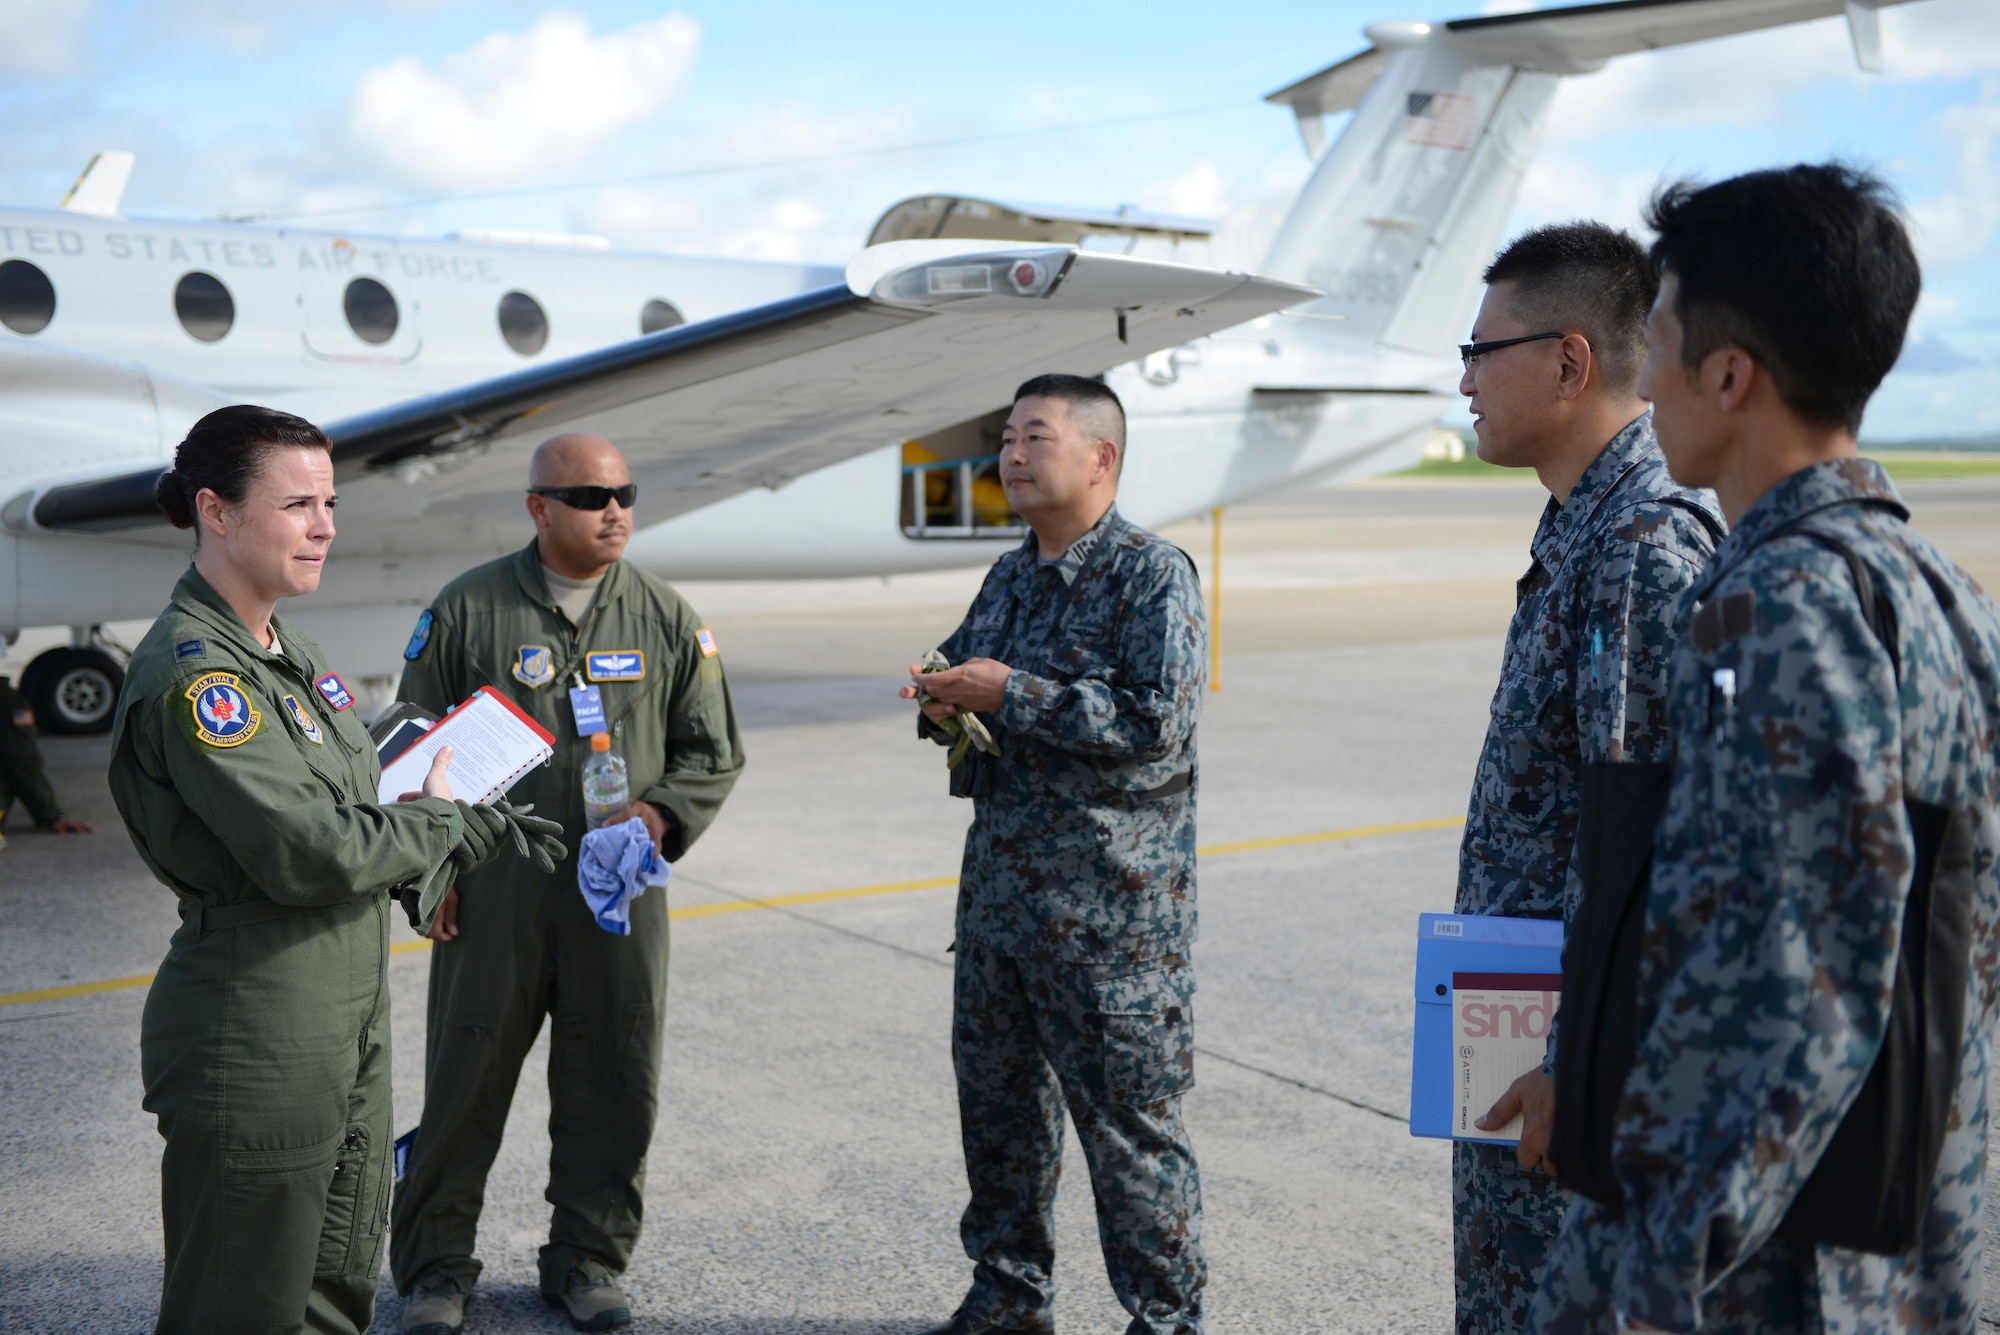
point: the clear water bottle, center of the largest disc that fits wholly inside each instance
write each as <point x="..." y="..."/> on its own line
<point x="605" y="789"/>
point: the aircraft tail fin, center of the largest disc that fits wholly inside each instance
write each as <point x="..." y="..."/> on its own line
<point x="101" y="188"/>
<point x="1411" y="201"/>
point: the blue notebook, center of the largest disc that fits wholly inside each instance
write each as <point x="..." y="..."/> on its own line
<point x="1502" y="978"/>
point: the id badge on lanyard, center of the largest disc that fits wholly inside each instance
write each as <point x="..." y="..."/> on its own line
<point x="587" y="704"/>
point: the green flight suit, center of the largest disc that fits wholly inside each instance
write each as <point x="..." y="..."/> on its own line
<point x="21" y="773"/>
<point x="265" y="1042"/>
<point x="527" y="943"/>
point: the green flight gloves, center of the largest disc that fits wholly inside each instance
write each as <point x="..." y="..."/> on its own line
<point x="487" y="828"/>
<point x="964" y="725"/>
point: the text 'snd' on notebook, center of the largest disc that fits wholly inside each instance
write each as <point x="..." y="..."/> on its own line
<point x="1486" y="989"/>
<point x="493" y="744"/>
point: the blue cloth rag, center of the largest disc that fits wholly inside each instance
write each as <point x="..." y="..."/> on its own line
<point x="615" y="867"/>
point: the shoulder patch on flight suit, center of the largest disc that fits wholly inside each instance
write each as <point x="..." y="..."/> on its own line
<point x="221" y="710"/>
<point x="615" y="665"/>
<point x="190" y="649"/>
<point x="706" y="639"/>
<point x="307" y="723"/>
<point x="1723" y="620"/>
<point x="24" y="718"/>
<point x="535" y="665"/>
<point x="420" y="636"/>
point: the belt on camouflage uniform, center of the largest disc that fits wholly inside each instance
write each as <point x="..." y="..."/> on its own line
<point x="215" y="917"/>
<point x="1173" y="787"/>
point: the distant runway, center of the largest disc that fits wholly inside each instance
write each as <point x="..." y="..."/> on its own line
<point x="805" y="1177"/>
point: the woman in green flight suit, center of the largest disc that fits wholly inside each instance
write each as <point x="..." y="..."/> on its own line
<point x="249" y="788"/>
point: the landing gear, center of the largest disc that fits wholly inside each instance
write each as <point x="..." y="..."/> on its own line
<point x="74" y="690"/>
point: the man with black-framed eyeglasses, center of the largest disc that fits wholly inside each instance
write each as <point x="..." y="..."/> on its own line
<point x="585" y="644"/>
<point x="1552" y="373"/>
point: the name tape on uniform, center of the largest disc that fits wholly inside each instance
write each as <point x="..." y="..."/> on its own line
<point x="615" y="665"/>
<point x="335" y="692"/>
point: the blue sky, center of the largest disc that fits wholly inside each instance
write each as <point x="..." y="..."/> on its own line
<point x="305" y="107"/>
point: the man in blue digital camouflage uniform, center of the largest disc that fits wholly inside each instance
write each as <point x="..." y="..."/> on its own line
<point x="1083" y="655"/>
<point x="1551" y="374"/>
<point x="1801" y="726"/>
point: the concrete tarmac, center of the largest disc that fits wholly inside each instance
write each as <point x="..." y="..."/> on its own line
<point x="805" y="1176"/>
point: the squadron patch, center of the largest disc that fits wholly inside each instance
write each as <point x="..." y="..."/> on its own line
<point x="335" y="691"/>
<point x="221" y="710"/>
<point x="706" y="639"/>
<point x="419" y="637"/>
<point x="307" y="723"/>
<point x="189" y="649"/>
<point x="615" y="665"/>
<point x="535" y="666"/>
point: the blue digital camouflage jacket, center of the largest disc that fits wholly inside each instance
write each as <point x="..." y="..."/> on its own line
<point x="1780" y="874"/>
<point x="1084" y="849"/>
<point x="1584" y="674"/>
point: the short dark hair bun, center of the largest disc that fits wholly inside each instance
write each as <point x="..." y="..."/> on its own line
<point x="169" y="495"/>
<point x="222" y="454"/>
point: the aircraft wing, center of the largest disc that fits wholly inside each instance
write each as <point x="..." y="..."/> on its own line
<point x="1571" y="39"/>
<point x="1579" y="38"/>
<point x="923" y="335"/>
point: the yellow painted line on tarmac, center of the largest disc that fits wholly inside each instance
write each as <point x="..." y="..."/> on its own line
<point x="75" y="990"/>
<point x="813" y="897"/>
<point x="1329" y="836"/>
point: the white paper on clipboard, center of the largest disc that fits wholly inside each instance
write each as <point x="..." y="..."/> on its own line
<point x="493" y="744"/>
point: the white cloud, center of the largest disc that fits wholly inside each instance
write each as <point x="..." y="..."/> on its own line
<point x="1199" y="192"/>
<point x="1745" y="80"/>
<point x="1958" y="225"/>
<point x="819" y="214"/>
<point x="1941" y="38"/>
<point x="43" y="37"/>
<point x="1561" y="186"/>
<point x="517" y="104"/>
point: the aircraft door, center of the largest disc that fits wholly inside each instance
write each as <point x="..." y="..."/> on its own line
<point x="357" y="305"/>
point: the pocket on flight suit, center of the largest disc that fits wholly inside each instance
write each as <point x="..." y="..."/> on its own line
<point x="349" y="1203"/>
<point x="573" y="1068"/>
<point x="1146" y="1023"/>
<point x="274" y="1208"/>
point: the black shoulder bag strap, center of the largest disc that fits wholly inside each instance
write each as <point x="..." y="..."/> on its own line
<point x="1869" y="1191"/>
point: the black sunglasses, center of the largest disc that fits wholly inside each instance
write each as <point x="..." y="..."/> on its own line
<point x="1468" y="351"/>
<point x="591" y="498"/>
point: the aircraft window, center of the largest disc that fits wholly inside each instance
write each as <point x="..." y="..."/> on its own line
<point x="204" y="305"/>
<point x="27" y="297"/>
<point x="658" y="315"/>
<point x="371" y="311"/>
<point x="523" y="323"/>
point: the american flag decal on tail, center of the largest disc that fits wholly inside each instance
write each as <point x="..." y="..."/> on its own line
<point x="1439" y="120"/>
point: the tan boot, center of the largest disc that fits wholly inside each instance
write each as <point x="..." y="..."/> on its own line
<point x="591" y="1296"/>
<point x="435" y="1308"/>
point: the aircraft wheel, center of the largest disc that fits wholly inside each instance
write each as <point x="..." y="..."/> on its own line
<point x="73" y="690"/>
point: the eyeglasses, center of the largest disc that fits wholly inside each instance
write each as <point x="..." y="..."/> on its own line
<point x="591" y="498"/>
<point x="1469" y="352"/>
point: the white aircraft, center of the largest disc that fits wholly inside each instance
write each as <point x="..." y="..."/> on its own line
<point x="781" y="420"/>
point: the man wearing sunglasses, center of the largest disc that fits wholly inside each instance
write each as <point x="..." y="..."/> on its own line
<point x="1552" y="375"/>
<point x="584" y="643"/>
